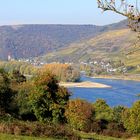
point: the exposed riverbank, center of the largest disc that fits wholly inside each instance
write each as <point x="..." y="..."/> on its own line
<point x="119" y="77"/>
<point x="86" y="84"/>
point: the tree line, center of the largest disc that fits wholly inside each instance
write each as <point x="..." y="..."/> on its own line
<point x="43" y="104"/>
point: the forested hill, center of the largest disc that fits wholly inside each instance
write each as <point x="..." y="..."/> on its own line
<point x="24" y="41"/>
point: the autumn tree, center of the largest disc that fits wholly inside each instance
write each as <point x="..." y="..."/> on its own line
<point x="79" y="114"/>
<point x="47" y="99"/>
<point x="63" y="72"/>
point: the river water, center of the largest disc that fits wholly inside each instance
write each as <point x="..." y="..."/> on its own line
<point x="122" y="92"/>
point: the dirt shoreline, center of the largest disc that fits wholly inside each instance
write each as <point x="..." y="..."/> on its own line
<point x="129" y="78"/>
<point x="86" y="84"/>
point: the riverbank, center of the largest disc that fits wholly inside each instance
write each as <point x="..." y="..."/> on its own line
<point x="86" y="84"/>
<point x="119" y="77"/>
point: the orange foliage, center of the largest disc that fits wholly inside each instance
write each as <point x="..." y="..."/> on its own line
<point x="79" y="114"/>
<point x="64" y="72"/>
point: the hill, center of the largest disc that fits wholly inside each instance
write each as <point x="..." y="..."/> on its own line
<point x="106" y="45"/>
<point x="117" y="45"/>
<point x="24" y="41"/>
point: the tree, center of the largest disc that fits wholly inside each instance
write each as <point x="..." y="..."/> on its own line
<point x="102" y="110"/>
<point x="79" y="114"/>
<point x="48" y="100"/>
<point x="22" y="102"/>
<point x="5" y="92"/>
<point x="122" y="7"/>
<point x="131" y="118"/>
<point x="64" y="72"/>
<point x="117" y="114"/>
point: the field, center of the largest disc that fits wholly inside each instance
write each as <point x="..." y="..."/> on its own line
<point x="83" y="135"/>
<point x="12" y="137"/>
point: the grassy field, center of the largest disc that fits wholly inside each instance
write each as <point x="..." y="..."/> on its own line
<point x="12" y="137"/>
<point x="81" y="134"/>
<point x="96" y="137"/>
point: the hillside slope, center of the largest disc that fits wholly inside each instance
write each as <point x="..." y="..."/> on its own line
<point x="109" y="45"/>
<point x="24" y="41"/>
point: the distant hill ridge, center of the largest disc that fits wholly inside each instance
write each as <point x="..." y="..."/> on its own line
<point x="24" y="41"/>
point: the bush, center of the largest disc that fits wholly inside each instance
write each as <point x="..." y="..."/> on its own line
<point x="98" y="126"/>
<point x="117" y="134"/>
<point x="38" y="129"/>
<point x="115" y="126"/>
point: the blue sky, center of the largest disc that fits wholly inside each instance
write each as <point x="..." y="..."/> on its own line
<point x="54" y="12"/>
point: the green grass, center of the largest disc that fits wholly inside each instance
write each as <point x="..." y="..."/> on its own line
<point x="96" y="137"/>
<point x="13" y="137"/>
<point x="81" y="134"/>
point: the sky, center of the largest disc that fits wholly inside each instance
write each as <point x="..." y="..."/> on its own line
<point x="14" y="12"/>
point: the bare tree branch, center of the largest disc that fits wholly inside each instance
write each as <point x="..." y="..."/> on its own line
<point x="122" y="7"/>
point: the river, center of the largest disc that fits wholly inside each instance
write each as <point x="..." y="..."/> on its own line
<point x="122" y="92"/>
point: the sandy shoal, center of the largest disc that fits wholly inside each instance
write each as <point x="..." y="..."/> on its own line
<point x="86" y="84"/>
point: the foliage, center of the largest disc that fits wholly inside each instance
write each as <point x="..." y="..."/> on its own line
<point x="117" y="114"/>
<point x="17" y="77"/>
<point x="131" y="118"/>
<point x="47" y="99"/>
<point x="79" y="114"/>
<point x="22" y="67"/>
<point x="98" y="126"/>
<point x="64" y="72"/>
<point x="6" y="92"/>
<point x="22" y="102"/>
<point x="45" y="105"/>
<point x="38" y="130"/>
<point x="102" y="110"/>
